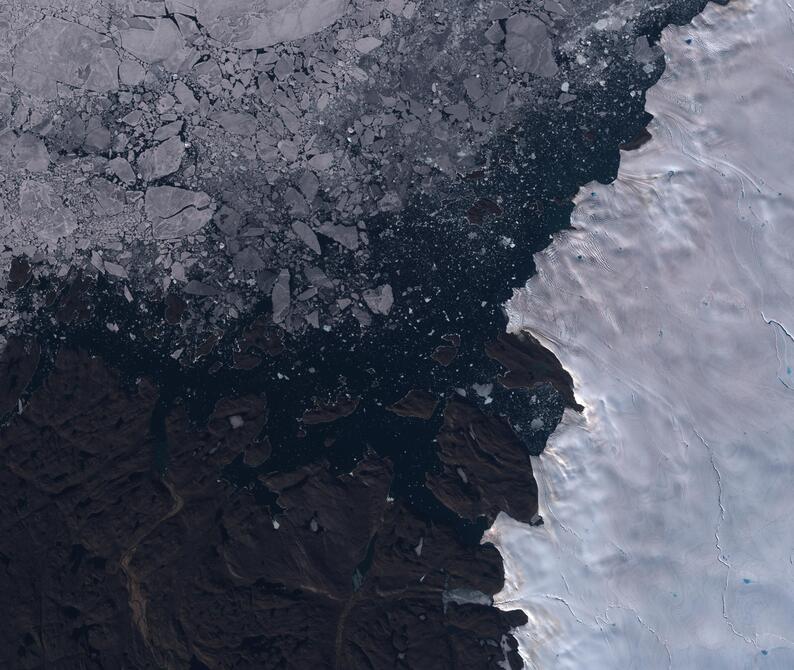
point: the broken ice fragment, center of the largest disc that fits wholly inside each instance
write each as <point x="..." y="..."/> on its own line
<point x="473" y="87"/>
<point x="296" y="202"/>
<point x="280" y="295"/>
<point x="121" y="169"/>
<point x="185" y="97"/>
<point x="307" y="236"/>
<point x="157" y="42"/>
<point x="285" y="66"/>
<point x="97" y="262"/>
<point x="380" y="300"/>
<point x="30" y="153"/>
<point x="494" y="34"/>
<point x="347" y="236"/>
<point x="395" y="6"/>
<point x="247" y="260"/>
<point x="162" y="160"/>
<point x="529" y="45"/>
<point x="459" y="111"/>
<point x="186" y="222"/>
<point x="109" y="197"/>
<point x="41" y="207"/>
<point x="131" y="73"/>
<point x="643" y="51"/>
<point x="366" y="45"/>
<point x="390" y="202"/>
<point x="168" y="130"/>
<point x="133" y="118"/>
<point x="97" y="139"/>
<point x="321" y="162"/>
<point x="288" y="150"/>
<point x="309" y="185"/>
<point x="236" y="123"/>
<point x="176" y="212"/>
<point x="316" y="277"/>
<point x="498" y="102"/>
<point x="64" y="51"/>
<point x="363" y="317"/>
<point x="498" y="11"/>
<point x="115" y="270"/>
<point x="228" y="221"/>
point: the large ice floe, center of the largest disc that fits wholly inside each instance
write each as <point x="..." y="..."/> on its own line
<point x="668" y="535"/>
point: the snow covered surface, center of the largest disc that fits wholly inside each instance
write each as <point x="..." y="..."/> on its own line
<point x="668" y="539"/>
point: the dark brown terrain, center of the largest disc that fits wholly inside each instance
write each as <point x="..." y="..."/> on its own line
<point x="109" y="562"/>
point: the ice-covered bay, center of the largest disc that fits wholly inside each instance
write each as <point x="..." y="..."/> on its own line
<point x="669" y="504"/>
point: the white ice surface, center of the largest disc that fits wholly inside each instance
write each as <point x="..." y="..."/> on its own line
<point x="669" y="504"/>
<point x="255" y="24"/>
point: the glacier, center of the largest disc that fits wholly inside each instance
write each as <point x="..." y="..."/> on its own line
<point x="668" y="534"/>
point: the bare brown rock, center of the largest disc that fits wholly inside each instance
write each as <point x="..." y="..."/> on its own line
<point x="529" y="364"/>
<point x="486" y="466"/>
<point x="416" y="403"/>
<point x="444" y="354"/>
<point x="326" y="412"/>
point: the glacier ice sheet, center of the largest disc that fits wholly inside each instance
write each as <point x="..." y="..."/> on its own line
<point x="668" y="539"/>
